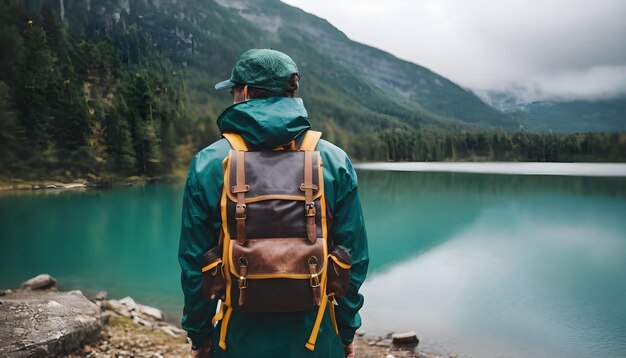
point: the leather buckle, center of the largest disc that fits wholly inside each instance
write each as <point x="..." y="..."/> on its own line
<point x="243" y="267"/>
<point x="242" y="282"/>
<point x="238" y="189"/>
<point x="315" y="280"/>
<point x="310" y="209"/>
<point x="304" y="187"/>
<point x="240" y="212"/>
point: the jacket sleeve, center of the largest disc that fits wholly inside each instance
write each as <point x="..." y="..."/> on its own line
<point x="349" y="231"/>
<point x="199" y="232"/>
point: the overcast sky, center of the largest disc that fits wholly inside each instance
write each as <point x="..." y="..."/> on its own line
<point x="540" y="49"/>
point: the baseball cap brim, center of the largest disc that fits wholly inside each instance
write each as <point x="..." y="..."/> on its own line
<point x="225" y="84"/>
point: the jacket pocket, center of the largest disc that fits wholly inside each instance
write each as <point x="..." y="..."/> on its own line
<point x="339" y="263"/>
<point x="213" y="282"/>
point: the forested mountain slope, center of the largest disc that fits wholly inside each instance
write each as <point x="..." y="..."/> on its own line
<point x="125" y="87"/>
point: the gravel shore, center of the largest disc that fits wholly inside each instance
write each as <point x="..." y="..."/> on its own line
<point x="121" y="337"/>
<point x="40" y="321"/>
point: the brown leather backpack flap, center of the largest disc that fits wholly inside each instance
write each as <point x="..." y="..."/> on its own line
<point x="273" y="175"/>
<point x="278" y="258"/>
<point x="274" y="200"/>
<point x="280" y="275"/>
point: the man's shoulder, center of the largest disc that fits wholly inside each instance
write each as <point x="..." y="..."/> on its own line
<point x="211" y="157"/>
<point x="337" y="164"/>
<point x="332" y="152"/>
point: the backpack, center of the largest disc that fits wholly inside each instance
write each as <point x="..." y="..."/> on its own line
<point x="275" y="254"/>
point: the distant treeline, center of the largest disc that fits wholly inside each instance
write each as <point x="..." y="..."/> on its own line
<point x="497" y="145"/>
<point x="109" y="98"/>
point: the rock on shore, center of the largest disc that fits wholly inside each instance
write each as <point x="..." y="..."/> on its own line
<point x="40" y="282"/>
<point x="38" y="321"/>
<point x="46" y="323"/>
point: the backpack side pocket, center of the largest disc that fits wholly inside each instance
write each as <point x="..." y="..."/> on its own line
<point x="213" y="282"/>
<point x="339" y="262"/>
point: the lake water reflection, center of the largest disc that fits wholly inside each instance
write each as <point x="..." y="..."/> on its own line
<point x="498" y="265"/>
<point x="479" y="265"/>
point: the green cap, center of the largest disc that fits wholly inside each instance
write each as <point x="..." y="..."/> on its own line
<point x="261" y="68"/>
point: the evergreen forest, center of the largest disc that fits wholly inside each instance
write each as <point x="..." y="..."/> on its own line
<point x="96" y="89"/>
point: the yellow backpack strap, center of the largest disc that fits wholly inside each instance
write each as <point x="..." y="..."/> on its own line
<point x="236" y="141"/>
<point x="310" y="344"/>
<point x="289" y="146"/>
<point x="310" y="140"/>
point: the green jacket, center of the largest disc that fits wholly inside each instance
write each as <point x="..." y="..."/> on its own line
<point x="267" y="123"/>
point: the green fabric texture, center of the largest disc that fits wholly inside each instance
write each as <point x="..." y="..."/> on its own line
<point x="261" y="68"/>
<point x="268" y="335"/>
<point x="266" y="122"/>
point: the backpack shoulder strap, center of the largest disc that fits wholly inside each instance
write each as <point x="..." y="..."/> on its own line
<point x="236" y="141"/>
<point x="308" y="143"/>
<point x="310" y="140"/>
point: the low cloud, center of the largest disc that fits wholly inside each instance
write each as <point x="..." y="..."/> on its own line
<point x="560" y="49"/>
<point x="596" y="83"/>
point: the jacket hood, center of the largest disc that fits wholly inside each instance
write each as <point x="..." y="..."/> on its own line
<point x="266" y="122"/>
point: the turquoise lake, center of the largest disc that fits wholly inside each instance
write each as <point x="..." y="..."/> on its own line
<point x="479" y="265"/>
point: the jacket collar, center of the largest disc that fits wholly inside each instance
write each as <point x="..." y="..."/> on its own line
<point x="266" y="122"/>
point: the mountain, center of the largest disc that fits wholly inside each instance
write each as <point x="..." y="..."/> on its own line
<point x="410" y="84"/>
<point x="345" y="84"/>
<point x="350" y="89"/>
<point x="125" y="87"/>
<point x="561" y="116"/>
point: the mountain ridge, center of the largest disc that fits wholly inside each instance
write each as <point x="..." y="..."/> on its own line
<point x="417" y="85"/>
<point x="126" y="87"/>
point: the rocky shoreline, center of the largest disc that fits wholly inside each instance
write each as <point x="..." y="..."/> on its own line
<point x="82" y="184"/>
<point x="36" y="320"/>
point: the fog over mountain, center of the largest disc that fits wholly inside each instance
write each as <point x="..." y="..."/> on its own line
<point x="560" y="50"/>
<point x="125" y="87"/>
